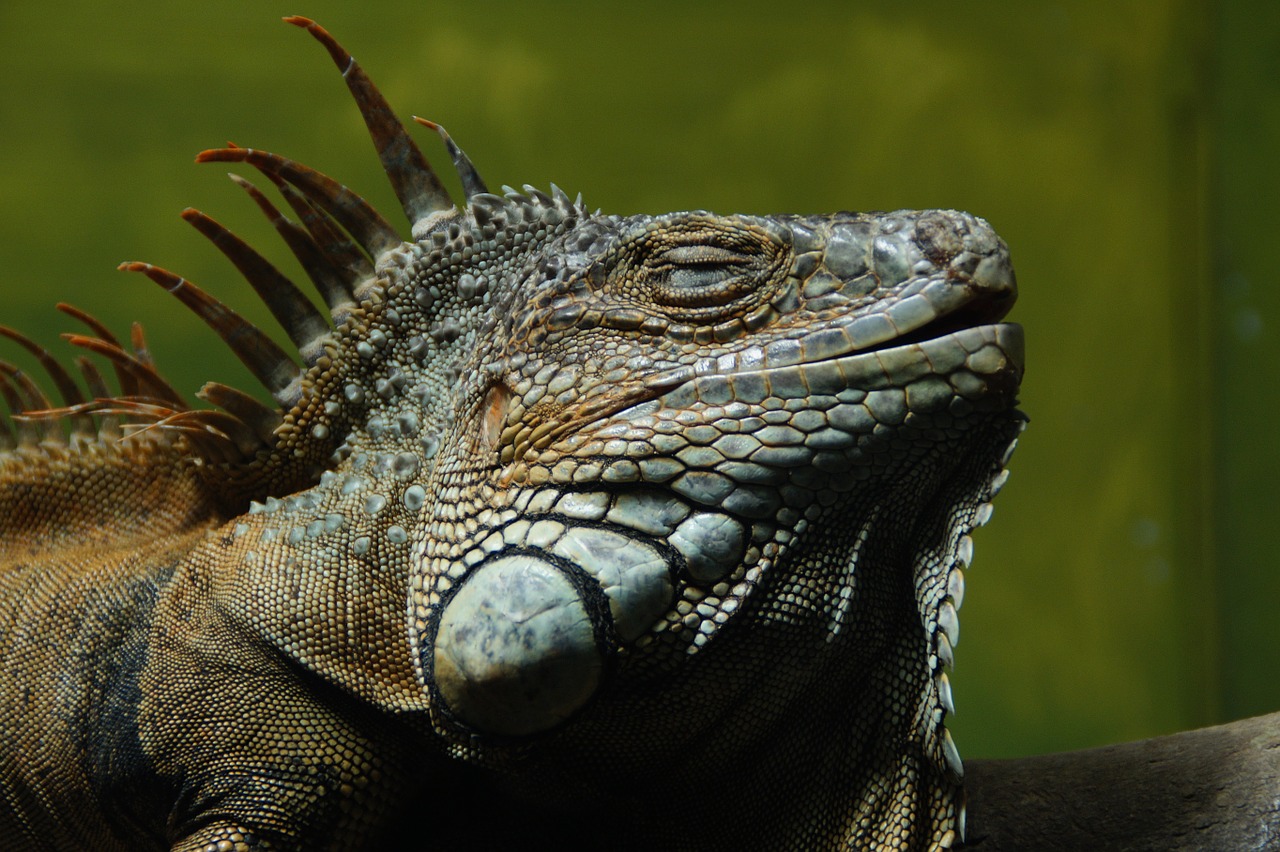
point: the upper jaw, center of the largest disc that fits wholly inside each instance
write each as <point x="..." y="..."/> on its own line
<point x="927" y="275"/>
<point x="893" y="249"/>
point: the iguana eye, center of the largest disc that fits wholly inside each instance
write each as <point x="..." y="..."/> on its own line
<point x="694" y="270"/>
<point x="702" y="255"/>
<point x="700" y="276"/>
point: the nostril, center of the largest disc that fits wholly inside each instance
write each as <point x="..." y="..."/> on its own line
<point x="939" y="237"/>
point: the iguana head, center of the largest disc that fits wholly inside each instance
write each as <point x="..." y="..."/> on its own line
<point x="661" y="408"/>
<point x="650" y="492"/>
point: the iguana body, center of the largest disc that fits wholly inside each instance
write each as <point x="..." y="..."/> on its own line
<point x="640" y="531"/>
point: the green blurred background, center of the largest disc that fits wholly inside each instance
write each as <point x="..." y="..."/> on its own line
<point x="1126" y="150"/>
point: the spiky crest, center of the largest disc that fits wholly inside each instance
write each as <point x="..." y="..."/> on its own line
<point x="341" y="241"/>
<point x="420" y="192"/>
<point x="472" y="183"/>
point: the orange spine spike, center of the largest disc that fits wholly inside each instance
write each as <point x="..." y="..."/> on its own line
<point x="267" y="361"/>
<point x="304" y="324"/>
<point x="340" y="251"/>
<point x="374" y="234"/>
<point x="109" y="427"/>
<point x="126" y="380"/>
<point x="472" y="183"/>
<point x="29" y="399"/>
<point x="143" y="375"/>
<point x="331" y="284"/>
<point x="71" y="395"/>
<point x="28" y="432"/>
<point x="258" y="417"/>
<point x="416" y="185"/>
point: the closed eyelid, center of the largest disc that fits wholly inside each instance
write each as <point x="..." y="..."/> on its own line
<point x="700" y="254"/>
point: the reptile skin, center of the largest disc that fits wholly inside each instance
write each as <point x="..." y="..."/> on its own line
<point x="605" y="531"/>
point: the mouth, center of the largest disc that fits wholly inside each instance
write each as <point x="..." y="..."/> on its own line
<point x="939" y="324"/>
<point x="968" y="315"/>
<point x="946" y="326"/>
<point x="988" y="309"/>
<point x="986" y="360"/>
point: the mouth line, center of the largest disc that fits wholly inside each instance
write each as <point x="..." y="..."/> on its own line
<point x="976" y="313"/>
<point x="940" y="347"/>
<point x="980" y="311"/>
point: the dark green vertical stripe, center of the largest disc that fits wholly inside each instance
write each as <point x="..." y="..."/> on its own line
<point x="1245" y="215"/>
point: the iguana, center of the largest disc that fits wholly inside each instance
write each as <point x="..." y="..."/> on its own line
<point x="624" y="531"/>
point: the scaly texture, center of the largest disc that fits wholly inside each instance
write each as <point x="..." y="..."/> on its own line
<point x="640" y="531"/>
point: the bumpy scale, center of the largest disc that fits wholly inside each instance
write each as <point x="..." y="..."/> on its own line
<point x="640" y="531"/>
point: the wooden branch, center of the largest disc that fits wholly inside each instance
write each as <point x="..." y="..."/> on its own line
<point x="1214" y="789"/>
